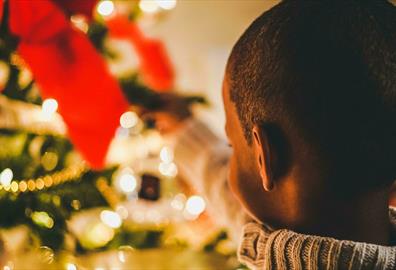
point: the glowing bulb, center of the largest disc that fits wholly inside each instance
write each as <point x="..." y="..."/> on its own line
<point x="128" y="183"/>
<point x="148" y="6"/>
<point x="80" y="22"/>
<point x="49" y="107"/>
<point x="178" y="202"/>
<point x="71" y="266"/>
<point x="168" y="169"/>
<point x="167" y="4"/>
<point x="111" y="219"/>
<point x="105" y="8"/>
<point x="166" y="154"/>
<point x="195" y="205"/>
<point x="43" y="219"/>
<point x="129" y="119"/>
<point x="6" y="177"/>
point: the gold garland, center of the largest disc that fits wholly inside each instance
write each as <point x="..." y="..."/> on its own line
<point x="68" y="174"/>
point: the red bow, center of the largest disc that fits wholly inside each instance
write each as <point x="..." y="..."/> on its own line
<point x="67" y="67"/>
<point x="155" y="66"/>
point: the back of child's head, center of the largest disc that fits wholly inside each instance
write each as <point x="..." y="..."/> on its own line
<point x="325" y="73"/>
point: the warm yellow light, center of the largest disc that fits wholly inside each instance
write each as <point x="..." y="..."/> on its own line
<point x="148" y="6"/>
<point x="6" y="177"/>
<point x="166" y="4"/>
<point x="80" y="22"/>
<point x="43" y="219"/>
<point x="124" y="252"/>
<point x="111" y="219"/>
<point x="39" y="184"/>
<point x="49" y="107"/>
<point x="31" y="185"/>
<point x="47" y="181"/>
<point x="22" y="186"/>
<point x="71" y="266"/>
<point x="178" y="202"/>
<point x="105" y="8"/>
<point x="195" y="205"/>
<point x="129" y="120"/>
<point x="168" y="169"/>
<point x="166" y="154"/>
<point x="14" y="186"/>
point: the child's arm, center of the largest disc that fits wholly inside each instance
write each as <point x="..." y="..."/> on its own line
<point x="202" y="159"/>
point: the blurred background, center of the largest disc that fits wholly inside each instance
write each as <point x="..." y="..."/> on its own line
<point x="85" y="182"/>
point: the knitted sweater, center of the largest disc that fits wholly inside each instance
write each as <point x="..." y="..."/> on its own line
<point x="203" y="160"/>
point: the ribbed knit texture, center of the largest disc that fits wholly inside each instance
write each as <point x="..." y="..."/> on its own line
<point x="203" y="161"/>
<point x="265" y="248"/>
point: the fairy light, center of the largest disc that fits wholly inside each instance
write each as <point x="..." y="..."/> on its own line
<point x="129" y="120"/>
<point x="80" y="22"/>
<point x="68" y="174"/>
<point x="105" y="8"/>
<point x="111" y="219"/>
<point x="195" y="205"/>
<point x="167" y="4"/>
<point x="124" y="252"/>
<point x="178" y="202"/>
<point x="14" y="186"/>
<point x="43" y="219"/>
<point x="48" y="108"/>
<point x="6" y="177"/>
<point x="168" y="169"/>
<point x="149" y="6"/>
<point x="71" y="266"/>
<point x="166" y="154"/>
<point x="128" y="183"/>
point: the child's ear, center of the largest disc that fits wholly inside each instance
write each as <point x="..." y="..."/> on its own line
<point x="263" y="155"/>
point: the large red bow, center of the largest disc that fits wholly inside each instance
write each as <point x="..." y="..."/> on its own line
<point x="67" y="67"/>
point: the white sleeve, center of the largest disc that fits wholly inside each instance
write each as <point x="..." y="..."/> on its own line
<point x="202" y="159"/>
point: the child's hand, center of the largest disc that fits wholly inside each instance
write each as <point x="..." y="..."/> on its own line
<point x="174" y="110"/>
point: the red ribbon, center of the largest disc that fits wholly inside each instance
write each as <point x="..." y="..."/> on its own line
<point x="67" y="67"/>
<point x="155" y="66"/>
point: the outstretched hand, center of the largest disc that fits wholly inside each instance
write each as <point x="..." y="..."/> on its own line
<point x="170" y="115"/>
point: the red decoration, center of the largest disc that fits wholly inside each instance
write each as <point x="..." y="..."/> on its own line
<point x="84" y="7"/>
<point x="1" y="11"/>
<point x="155" y="65"/>
<point x="67" y="67"/>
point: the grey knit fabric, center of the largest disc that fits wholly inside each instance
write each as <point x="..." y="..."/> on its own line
<point x="265" y="248"/>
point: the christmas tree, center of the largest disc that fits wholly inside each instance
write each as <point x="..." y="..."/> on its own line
<point x="79" y="169"/>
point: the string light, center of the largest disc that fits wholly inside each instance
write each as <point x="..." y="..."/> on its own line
<point x="6" y="177"/>
<point x="148" y="6"/>
<point x="71" y="266"/>
<point x="80" y="22"/>
<point x="195" y="205"/>
<point x="49" y="106"/>
<point x="166" y="4"/>
<point x="166" y="154"/>
<point x="178" y="202"/>
<point x="105" y="8"/>
<point x="124" y="252"/>
<point x="71" y="173"/>
<point x="168" y="169"/>
<point x="43" y="219"/>
<point x="129" y="119"/>
<point x="111" y="219"/>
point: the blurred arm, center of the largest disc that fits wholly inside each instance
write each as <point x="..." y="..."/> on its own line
<point x="202" y="159"/>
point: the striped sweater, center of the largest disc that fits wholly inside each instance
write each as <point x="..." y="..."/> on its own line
<point x="203" y="160"/>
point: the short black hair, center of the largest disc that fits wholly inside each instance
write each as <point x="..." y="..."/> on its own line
<point x="325" y="72"/>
